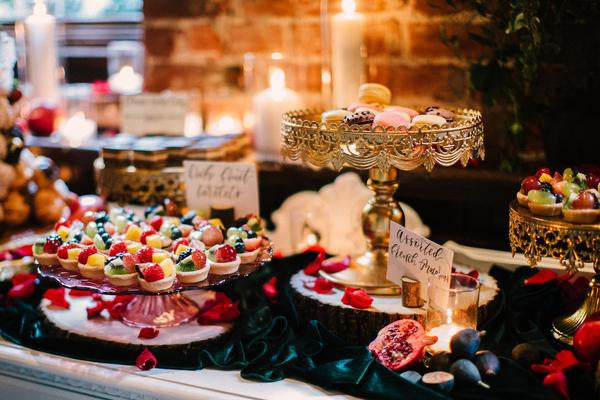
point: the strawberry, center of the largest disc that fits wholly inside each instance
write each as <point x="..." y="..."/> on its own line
<point x="85" y="253"/>
<point x="252" y="244"/>
<point x="63" y="250"/>
<point x="145" y="233"/>
<point x="199" y="258"/>
<point x="129" y="261"/>
<point x="153" y="273"/>
<point x="109" y="228"/>
<point x="144" y="254"/>
<point x="179" y="241"/>
<point x="59" y="223"/>
<point x="225" y="253"/>
<point x="52" y="244"/>
<point x="116" y="248"/>
<point x="156" y="222"/>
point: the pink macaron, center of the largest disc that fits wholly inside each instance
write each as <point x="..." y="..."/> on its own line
<point x="392" y="119"/>
<point x="354" y="106"/>
<point x="411" y="113"/>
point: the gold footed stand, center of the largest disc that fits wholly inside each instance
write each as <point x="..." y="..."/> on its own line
<point x="383" y="152"/>
<point x="572" y="244"/>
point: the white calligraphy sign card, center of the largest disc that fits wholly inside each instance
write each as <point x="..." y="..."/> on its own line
<point x="154" y="113"/>
<point x="222" y="184"/>
<point x="417" y="257"/>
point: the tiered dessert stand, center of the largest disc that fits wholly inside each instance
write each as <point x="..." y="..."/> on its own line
<point x="573" y="245"/>
<point x="382" y="152"/>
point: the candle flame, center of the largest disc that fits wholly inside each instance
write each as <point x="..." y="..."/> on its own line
<point x="276" y="56"/>
<point x="224" y="125"/>
<point x="348" y="6"/>
<point x="449" y="316"/>
<point x="277" y="78"/>
<point x="126" y="70"/>
<point x="39" y="8"/>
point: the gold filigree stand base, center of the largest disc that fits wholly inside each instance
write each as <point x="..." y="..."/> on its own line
<point x="368" y="270"/>
<point x="564" y="328"/>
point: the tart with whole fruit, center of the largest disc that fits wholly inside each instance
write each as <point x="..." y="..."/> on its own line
<point x="544" y="201"/>
<point x="223" y="259"/>
<point x="245" y="243"/>
<point x="582" y="207"/>
<point x="529" y="183"/>
<point x="45" y="250"/>
<point x="191" y="266"/>
<point x="155" y="277"/>
<point x="120" y="269"/>
<point x="68" y="254"/>
<point x="210" y="235"/>
<point x="91" y="263"/>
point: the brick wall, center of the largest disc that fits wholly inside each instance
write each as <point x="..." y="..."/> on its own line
<point x="201" y="43"/>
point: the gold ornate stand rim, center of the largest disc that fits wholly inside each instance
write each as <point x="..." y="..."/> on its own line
<point x="383" y="152"/>
<point x="572" y="244"/>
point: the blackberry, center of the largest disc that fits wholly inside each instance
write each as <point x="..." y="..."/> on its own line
<point x="175" y="233"/>
<point x="184" y="254"/>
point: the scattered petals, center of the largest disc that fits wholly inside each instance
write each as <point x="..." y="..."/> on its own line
<point x="95" y="311"/>
<point x="96" y="296"/>
<point x="116" y="306"/>
<point x="148" y="333"/>
<point x="316" y="248"/>
<point x="23" y="286"/>
<point x="146" y="360"/>
<point x="563" y="360"/>
<point x="270" y="290"/>
<point x="314" y="266"/>
<point x="542" y="276"/>
<point x="332" y="265"/>
<point x="22" y="277"/>
<point x="357" y="298"/>
<point x="57" y="297"/>
<point x="80" y="293"/>
<point x="218" y="310"/>
<point x="320" y="285"/>
<point x="557" y="381"/>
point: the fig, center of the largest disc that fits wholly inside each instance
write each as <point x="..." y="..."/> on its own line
<point x="487" y="363"/>
<point x="465" y="343"/>
<point x="400" y="344"/>
<point x="438" y="380"/>
<point x="440" y="362"/>
<point x="465" y="372"/>
<point x="526" y="354"/>
<point x="412" y="376"/>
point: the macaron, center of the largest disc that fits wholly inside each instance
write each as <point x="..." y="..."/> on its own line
<point x="354" y="106"/>
<point x="442" y="112"/>
<point x="360" y="118"/>
<point x="370" y="109"/>
<point x="334" y="116"/>
<point x="411" y="113"/>
<point x="374" y="93"/>
<point x="428" y="119"/>
<point x="392" y="119"/>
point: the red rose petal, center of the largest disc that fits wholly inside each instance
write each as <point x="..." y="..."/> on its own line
<point x="270" y="290"/>
<point x="146" y="360"/>
<point x="23" y="288"/>
<point x="332" y="266"/>
<point x="541" y="277"/>
<point x="320" y="285"/>
<point x="278" y="254"/>
<point x="220" y="309"/>
<point x="148" y="333"/>
<point x="357" y="298"/>
<point x="116" y="306"/>
<point x="57" y="297"/>
<point x="20" y="252"/>
<point x="22" y="277"/>
<point x="314" y="266"/>
<point x="80" y="293"/>
<point x="94" y="312"/>
<point x="557" y="381"/>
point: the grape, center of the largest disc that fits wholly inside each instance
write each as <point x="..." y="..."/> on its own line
<point x="540" y="197"/>
<point x="233" y="232"/>
<point x="120" y="222"/>
<point x="568" y="175"/>
<point x="99" y="243"/>
<point x="530" y="183"/>
<point x="91" y="229"/>
<point x="569" y="188"/>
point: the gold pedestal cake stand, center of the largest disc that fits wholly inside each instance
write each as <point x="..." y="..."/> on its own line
<point x="572" y="244"/>
<point x="383" y="152"/>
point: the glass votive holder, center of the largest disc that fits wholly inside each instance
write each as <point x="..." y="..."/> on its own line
<point x="452" y="306"/>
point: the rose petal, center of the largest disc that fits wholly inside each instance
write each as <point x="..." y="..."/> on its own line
<point x="22" y="277"/>
<point x="270" y="290"/>
<point x="278" y="254"/>
<point x="557" y="381"/>
<point x="314" y="266"/>
<point x="148" y="333"/>
<point x="20" y="252"/>
<point x="541" y="277"/>
<point x="80" y="293"/>
<point x="357" y="298"/>
<point x="93" y="312"/>
<point x="96" y="296"/>
<point x="332" y="266"/>
<point x="218" y="310"/>
<point x="22" y="290"/>
<point x="116" y="306"/>
<point x="146" y="360"/>
<point x="563" y="360"/>
<point x="57" y="297"/>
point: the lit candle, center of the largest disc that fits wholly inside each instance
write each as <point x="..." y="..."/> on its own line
<point x="78" y="129"/>
<point x="269" y="106"/>
<point x="225" y="124"/>
<point x="346" y="59"/>
<point x="126" y="81"/>
<point x="444" y="333"/>
<point x="40" y="30"/>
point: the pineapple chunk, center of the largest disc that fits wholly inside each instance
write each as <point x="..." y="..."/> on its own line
<point x="96" y="260"/>
<point x="133" y="233"/>
<point x="180" y="249"/>
<point x="73" y="254"/>
<point x="154" y="241"/>
<point x="216" y="222"/>
<point x="545" y="178"/>
<point x="134" y="247"/>
<point x="158" y="257"/>
<point x="167" y="267"/>
<point x="175" y="221"/>
<point x="63" y="232"/>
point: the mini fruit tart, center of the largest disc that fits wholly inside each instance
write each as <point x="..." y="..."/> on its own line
<point x="529" y="183"/>
<point x="155" y="277"/>
<point x="247" y="253"/>
<point x="179" y="242"/>
<point x="102" y="241"/>
<point x="544" y="202"/>
<point x="45" y="250"/>
<point x="223" y="259"/>
<point x="91" y="263"/>
<point x="191" y="266"/>
<point x="583" y="207"/>
<point x="67" y="255"/>
<point x="120" y="269"/>
<point x="210" y="235"/>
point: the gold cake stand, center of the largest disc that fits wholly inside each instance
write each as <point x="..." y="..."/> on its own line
<point x="572" y="244"/>
<point x="383" y="152"/>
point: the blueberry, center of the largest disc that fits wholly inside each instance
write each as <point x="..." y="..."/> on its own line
<point x="101" y="217"/>
<point x="175" y="233"/>
<point x="559" y="197"/>
<point x="239" y="247"/>
<point x="188" y="218"/>
<point x="546" y="187"/>
<point x="184" y="254"/>
<point x="251" y="234"/>
<point x="77" y="237"/>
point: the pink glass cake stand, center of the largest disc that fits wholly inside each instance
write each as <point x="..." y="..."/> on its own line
<point x="159" y="310"/>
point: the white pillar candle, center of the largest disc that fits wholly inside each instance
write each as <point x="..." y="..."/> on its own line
<point x="126" y="81"/>
<point x="269" y="107"/>
<point x="346" y="59"/>
<point x="40" y="31"/>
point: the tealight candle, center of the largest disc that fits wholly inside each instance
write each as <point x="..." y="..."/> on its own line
<point x="78" y="129"/>
<point x="224" y="125"/>
<point x="126" y="81"/>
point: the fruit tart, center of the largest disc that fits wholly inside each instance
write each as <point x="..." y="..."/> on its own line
<point x="91" y="263"/>
<point x="246" y="244"/>
<point x="191" y="266"/>
<point x="68" y="254"/>
<point x="45" y="250"/>
<point x="120" y="269"/>
<point x="223" y="259"/>
<point x="155" y="277"/>
<point x="582" y="207"/>
<point x="545" y="201"/>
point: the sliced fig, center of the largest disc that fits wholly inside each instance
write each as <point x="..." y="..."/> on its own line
<point x="439" y="380"/>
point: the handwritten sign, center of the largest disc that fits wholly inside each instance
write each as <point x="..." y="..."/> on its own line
<point x="224" y="184"/>
<point x="154" y="113"/>
<point x="412" y="255"/>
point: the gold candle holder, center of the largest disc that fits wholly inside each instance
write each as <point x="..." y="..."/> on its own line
<point x="383" y="152"/>
<point x="572" y="244"/>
